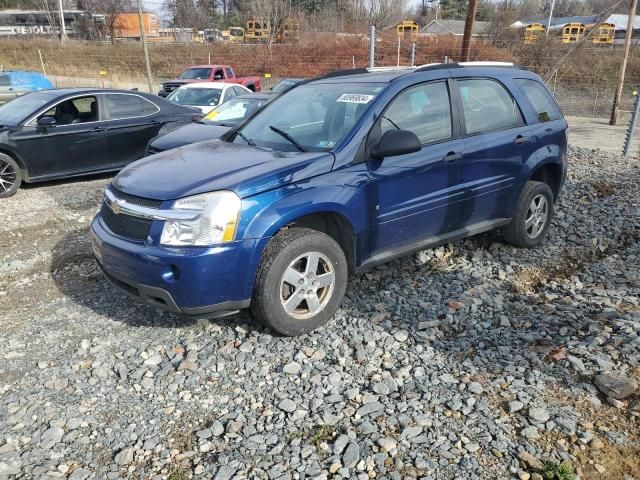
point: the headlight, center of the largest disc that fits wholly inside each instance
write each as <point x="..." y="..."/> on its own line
<point x="216" y="222"/>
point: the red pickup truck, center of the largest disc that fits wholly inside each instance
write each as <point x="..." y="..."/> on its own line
<point x="210" y="73"/>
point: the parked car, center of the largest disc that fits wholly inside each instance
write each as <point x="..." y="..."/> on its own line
<point x="210" y="73"/>
<point x="14" y="83"/>
<point x="215" y="124"/>
<point x="333" y="177"/>
<point x="285" y="84"/>
<point x="207" y="95"/>
<point x="69" y="132"/>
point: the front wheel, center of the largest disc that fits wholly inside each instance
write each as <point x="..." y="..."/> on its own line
<point x="532" y="217"/>
<point x="10" y="176"/>
<point x="301" y="281"/>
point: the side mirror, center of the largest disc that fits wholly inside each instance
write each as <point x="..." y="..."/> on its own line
<point x="46" y="122"/>
<point x="396" y="142"/>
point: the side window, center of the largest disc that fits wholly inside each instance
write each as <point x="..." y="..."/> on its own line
<point x="239" y="91"/>
<point x="487" y="106"/>
<point x="229" y="73"/>
<point x="218" y="74"/>
<point x="75" y="110"/>
<point x="544" y="106"/>
<point x="424" y="110"/>
<point x="229" y="94"/>
<point x="5" y="81"/>
<point x="122" y="106"/>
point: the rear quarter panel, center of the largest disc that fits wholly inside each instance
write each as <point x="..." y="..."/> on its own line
<point x="550" y="137"/>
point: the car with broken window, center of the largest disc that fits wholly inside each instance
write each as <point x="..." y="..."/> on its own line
<point x="331" y="178"/>
<point x="63" y="133"/>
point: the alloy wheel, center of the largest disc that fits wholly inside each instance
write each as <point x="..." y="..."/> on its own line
<point x="537" y="216"/>
<point x="8" y="176"/>
<point x="307" y="285"/>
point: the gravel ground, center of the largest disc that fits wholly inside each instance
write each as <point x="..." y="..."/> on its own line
<point x="474" y="360"/>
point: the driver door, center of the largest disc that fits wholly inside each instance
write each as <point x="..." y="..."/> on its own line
<point x="415" y="196"/>
<point x="75" y="144"/>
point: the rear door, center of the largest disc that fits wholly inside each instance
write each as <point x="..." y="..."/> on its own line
<point x="497" y="144"/>
<point x="415" y="196"/>
<point x="132" y="121"/>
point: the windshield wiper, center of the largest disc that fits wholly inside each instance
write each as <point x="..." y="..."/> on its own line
<point x="249" y="141"/>
<point x="284" y="134"/>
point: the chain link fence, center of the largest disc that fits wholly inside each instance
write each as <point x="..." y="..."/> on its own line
<point x="584" y="86"/>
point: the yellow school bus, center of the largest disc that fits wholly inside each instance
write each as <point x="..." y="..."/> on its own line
<point x="533" y="33"/>
<point x="407" y="29"/>
<point x="572" y="32"/>
<point x="604" y="35"/>
<point x="257" y="30"/>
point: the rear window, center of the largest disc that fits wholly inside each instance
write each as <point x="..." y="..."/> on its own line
<point x="4" y="81"/>
<point x="122" y="106"/>
<point x="541" y="100"/>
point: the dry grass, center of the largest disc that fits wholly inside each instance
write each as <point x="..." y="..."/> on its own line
<point x="602" y="188"/>
<point x="122" y="61"/>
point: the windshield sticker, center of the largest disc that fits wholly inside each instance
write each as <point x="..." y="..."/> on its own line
<point x="355" y="98"/>
<point x="325" y="144"/>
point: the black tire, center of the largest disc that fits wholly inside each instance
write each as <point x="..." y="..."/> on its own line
<point x="518" y="233"/>
<point x="10" y="176"/>
<point x="271" y="289"/>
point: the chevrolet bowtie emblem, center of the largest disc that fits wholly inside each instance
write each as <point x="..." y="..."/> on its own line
<point x="115" y="208"/>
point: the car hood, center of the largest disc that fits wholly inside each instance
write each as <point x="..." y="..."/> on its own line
<point x="192" y="133"/>
<point x="215" y="165"/>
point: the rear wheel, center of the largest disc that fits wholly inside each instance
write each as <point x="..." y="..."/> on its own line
<point x="301" y="281"/>
<point x="10" y="176"/>
<point x="532" y="217"/>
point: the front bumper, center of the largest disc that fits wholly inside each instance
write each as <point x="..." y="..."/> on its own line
<point x="193" y="281"/>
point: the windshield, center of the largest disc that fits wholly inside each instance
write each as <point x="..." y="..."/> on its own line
<point x="196" y="74"/>
<point x="196" y="96"/>
<point x="314" y="117"/>
<point x="17" y="110"/>
<point x="231" y="113"/>
<point x="284" y="85"/>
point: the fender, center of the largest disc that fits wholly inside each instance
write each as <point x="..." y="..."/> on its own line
<point x="343" y="192"/>
<point x="7" y="150"/>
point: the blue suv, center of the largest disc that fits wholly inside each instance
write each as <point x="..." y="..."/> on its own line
<point x="333" y="177"/>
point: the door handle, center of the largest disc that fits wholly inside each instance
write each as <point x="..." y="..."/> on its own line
<point x="520" y="139"/>
<point x="452" y="156"/>
<point x="97" y="130"/>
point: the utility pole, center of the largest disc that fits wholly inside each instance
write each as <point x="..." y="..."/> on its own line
<point x="623" y="67"/>
<point x="553" y="4"/>
<point x="143" y="37"/>
<point x="63" y="28"/>
<point x="372" y="46"/>
<point x="468" y="29"/>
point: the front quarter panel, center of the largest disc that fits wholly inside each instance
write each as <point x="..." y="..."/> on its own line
<point x="342" y="192"/>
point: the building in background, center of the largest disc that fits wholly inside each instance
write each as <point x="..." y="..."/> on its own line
<point x="45" y="22"/>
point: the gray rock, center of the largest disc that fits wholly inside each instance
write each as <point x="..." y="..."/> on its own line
<point x="50" y="437"/>
<point x="515" y="406"/>
<point x="287" y="405"/>
<point x="530" y="432"/>
<point x="475" y="388"/>
<point x="124" y="457"/>
<point x="616" y="386"/>
<point x="217" y="428"/>
<point x="224" y="473"/>
<point x="292" y="368"/>
<point x="539" y="414"/>
<point x="351" y="455"/>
